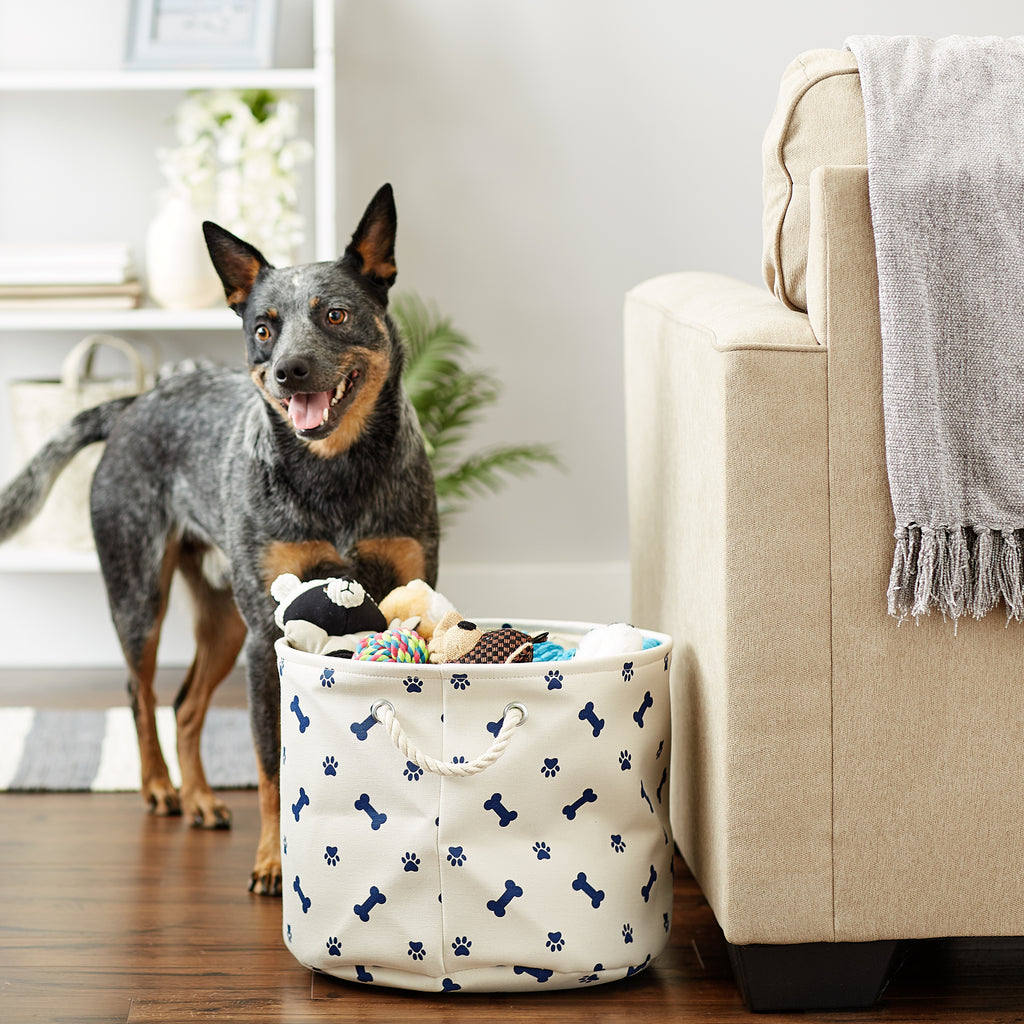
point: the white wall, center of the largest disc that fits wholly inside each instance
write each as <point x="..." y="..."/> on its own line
<point x="546" y="156"/>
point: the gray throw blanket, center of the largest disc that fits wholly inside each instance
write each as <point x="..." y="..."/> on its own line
<point x="945" y="133"/>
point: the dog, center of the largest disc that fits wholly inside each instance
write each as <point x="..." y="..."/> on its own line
<point x="311" y="461"/>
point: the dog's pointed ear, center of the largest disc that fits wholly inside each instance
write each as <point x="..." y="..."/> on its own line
<point x="237" y="263"/>
<point x="372" y="249"/>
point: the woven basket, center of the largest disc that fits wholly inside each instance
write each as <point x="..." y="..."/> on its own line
<point x="63" y="523"/>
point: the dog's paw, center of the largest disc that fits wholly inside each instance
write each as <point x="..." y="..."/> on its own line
<point x="266" y="878"/>
<point x="204" y="810"/>
<point x="162" y="798"/>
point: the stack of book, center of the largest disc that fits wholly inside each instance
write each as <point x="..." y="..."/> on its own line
<point x="71" y="276"/>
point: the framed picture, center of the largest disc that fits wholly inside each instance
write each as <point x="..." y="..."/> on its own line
<point x="201" y="33"/>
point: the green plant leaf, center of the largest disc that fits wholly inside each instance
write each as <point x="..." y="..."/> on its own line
<point x="450" y="400"/>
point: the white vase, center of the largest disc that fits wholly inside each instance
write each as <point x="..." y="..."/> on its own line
<point x="178" y="268"/>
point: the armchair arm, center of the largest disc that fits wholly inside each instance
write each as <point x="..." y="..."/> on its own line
<point x="727" y="440"/>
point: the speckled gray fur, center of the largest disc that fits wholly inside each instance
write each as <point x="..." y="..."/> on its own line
<point x="209" y="459"/>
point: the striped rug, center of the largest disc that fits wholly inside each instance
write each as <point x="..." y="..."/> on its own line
<point x="97" y="751"/>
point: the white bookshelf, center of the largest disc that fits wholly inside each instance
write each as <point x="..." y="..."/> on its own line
<point x="145" y="318"/>
<point x="316" y="82"/>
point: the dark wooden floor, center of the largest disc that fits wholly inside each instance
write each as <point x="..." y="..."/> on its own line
<point x="107" y="914"/>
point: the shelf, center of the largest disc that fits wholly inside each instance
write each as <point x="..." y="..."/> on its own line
<point x="180" y="80"/>
<point x="144" y="319"/>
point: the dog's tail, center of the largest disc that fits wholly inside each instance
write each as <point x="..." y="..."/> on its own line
<point x="24" y="495"/>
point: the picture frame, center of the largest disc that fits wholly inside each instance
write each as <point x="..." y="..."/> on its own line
<point x="201" y="34"/>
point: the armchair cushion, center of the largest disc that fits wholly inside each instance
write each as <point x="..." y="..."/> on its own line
<point x="818" y="121"/>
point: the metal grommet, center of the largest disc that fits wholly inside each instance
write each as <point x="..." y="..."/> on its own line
<point x="521" y="708"/>
<point x="376" y="706"/>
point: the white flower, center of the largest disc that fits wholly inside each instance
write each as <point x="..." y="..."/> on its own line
<point x="244" y="169"/>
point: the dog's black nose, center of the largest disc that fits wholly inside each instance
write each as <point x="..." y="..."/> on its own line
<point x="291" y="372"/>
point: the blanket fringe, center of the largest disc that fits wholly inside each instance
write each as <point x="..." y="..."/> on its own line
<point x="959" y="570"/>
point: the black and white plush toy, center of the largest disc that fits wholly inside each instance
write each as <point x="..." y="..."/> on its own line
<point x="325" y="616"/>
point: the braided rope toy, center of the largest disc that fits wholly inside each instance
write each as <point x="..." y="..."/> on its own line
<point x="400" y="645"/>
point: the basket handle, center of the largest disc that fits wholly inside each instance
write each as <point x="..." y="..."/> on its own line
<point x="77" y="366"/>
<point x="511" y="718"/>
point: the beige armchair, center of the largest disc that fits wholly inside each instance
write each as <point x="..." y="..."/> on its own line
<point x="840" y="782"/>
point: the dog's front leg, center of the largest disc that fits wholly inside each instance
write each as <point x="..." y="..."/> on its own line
<point x="307" y="560"/>
<point x="264" y="713"/>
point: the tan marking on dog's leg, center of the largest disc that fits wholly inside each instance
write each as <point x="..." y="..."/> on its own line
<point x="220" y="633"/>
<point x="376" y="367"/>
<point x="157" y="789"/>
<point x="266" y="873"/>
<point x="403" y="554"/>
<point x="299" y="558"/>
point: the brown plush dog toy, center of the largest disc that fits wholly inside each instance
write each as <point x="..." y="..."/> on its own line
<point x="458" y="641"/>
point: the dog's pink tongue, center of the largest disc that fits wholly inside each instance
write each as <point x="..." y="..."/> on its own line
<point x="307" y="411"/>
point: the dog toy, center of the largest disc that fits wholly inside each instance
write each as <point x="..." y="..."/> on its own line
<point x="327" y="616"/>
<point x="617" y="638"/>
<point x="458" y="641"/>
<point x="415" y="606"/>
<point x="401" y="645"/>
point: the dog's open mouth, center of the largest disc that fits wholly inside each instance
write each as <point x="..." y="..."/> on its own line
<point x="313" y="412"/>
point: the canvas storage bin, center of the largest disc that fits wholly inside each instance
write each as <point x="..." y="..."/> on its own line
<point x="548" y="866"/>
<point x="37" y="409"/>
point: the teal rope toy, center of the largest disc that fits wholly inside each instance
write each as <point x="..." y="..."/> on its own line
<point x="400" y="645"/>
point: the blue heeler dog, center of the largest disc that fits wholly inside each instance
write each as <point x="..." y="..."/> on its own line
<point x="310" y="462"/>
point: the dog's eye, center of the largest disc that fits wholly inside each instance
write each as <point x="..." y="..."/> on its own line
<point x="262" y="333"/>
<point x="336" y="316"/>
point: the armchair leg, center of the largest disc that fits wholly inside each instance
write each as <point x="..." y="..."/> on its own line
<point x="813" y="975"/>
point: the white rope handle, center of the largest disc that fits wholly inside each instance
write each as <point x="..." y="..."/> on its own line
<point x="512" y="717"/>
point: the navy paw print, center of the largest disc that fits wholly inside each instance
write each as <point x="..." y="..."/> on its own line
<point x="550" y="768"/>
<point x="554" y="680"/>
<point x="460" y="681"/>
<point x="334" y="946"/>
<point x="617" y="844"/>
<point x="410" y="862"/>
<point x="555" y="942"/>
<point x="456" y="856"/>
<point x="542" y="850"/>
<point x="625" y="762"/>
<point x="627" y="933"/>
<point x="412" y="684"/>
<point x="416" y="950"/>
<point x="627" y="671"/>
<point x="330" y="765"/>
<point x="331" y="855"/>
<point x="460" y="947"/>
<point x="413" y="772"/>
<point x="327" y="678"/>
<point x="458" y="759"/>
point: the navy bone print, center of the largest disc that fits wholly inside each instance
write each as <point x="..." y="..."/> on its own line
<point x="581" y="884"/>
<point x="376" y="817"/>
<point x="303" y="719"/>
<point x="505" y="816"/>
<point x="299" y="804"/>
<point x="498" y="907"/>
<point x="638" y="715"/>
<point x="588" y="797"/>
<point x="587" y="714"/>
<point x="374" y="899"/>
